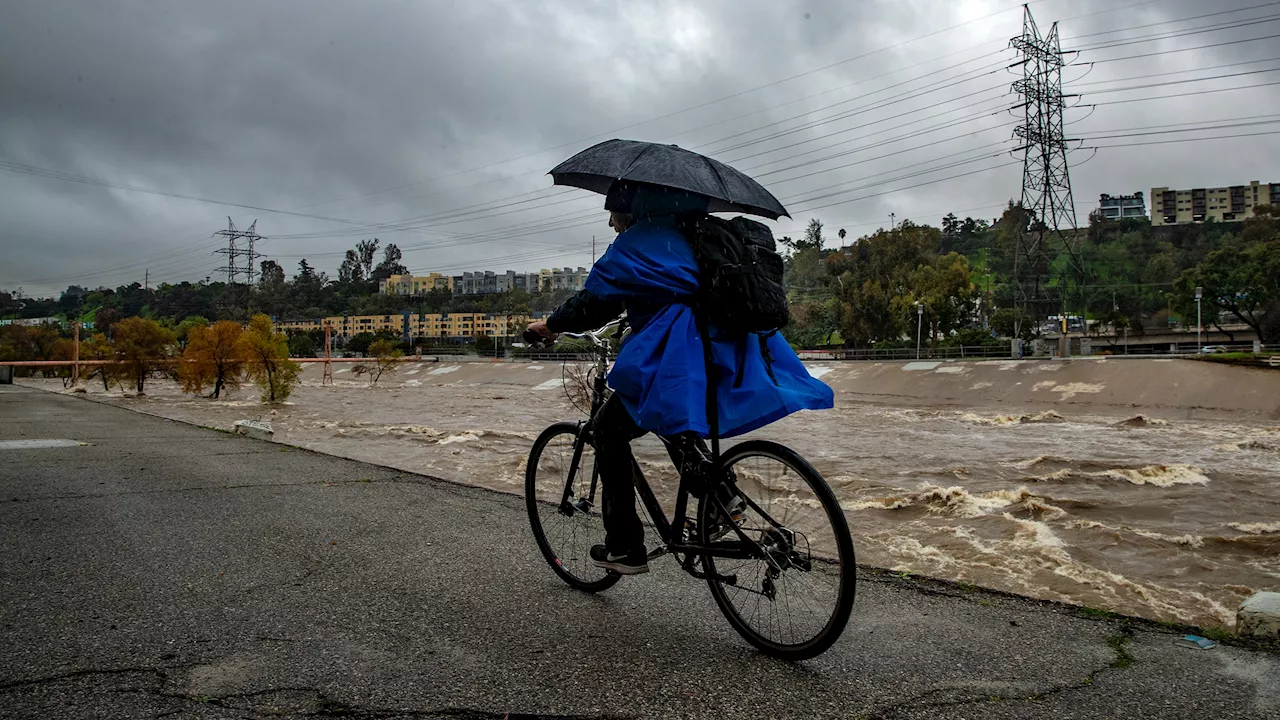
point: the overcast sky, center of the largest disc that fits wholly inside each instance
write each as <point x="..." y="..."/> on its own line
<point x="431" y="124"/>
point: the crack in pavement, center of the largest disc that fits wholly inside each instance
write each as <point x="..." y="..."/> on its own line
<point x="89" y="496"/>
<point x="160" y="673"/>
<point x="277" y="702"/>
<point x="1121" y="659"/>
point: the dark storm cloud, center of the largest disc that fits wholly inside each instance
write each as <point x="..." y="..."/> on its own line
<point x="287" y="105"/>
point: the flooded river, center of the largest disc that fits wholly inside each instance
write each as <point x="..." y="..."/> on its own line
<point x="1164" y="517"/>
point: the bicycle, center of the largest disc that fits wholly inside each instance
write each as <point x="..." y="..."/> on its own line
<point x="754" y="556"/>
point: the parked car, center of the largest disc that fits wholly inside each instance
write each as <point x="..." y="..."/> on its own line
<point x="1212" y="349"/>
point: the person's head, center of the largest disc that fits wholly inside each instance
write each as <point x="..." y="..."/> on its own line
<point x="628" y="202"/>
<point x="618" y="202"/>
<point x="619" y="221"/>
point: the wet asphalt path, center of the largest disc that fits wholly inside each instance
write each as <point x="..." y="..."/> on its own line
<point x="164" y="570"/>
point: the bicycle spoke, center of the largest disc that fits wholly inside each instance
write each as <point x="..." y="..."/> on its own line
<point x="786" y="596"/>
<point x="568" y="537"/>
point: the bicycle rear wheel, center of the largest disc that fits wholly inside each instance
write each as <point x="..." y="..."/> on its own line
<point x="566" y="528"/>
<point x="794" y="601"/>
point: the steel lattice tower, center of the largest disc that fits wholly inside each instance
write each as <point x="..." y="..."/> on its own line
<point x="240" y="256"/>
<point x="1046" y="183"/>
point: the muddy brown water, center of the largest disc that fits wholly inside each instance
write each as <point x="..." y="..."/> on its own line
<point x="1171" y="518"/>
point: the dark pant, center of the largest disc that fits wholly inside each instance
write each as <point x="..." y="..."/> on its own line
<point x="614" y="429"/>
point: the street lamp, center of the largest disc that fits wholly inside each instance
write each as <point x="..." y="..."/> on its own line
<point x="919" y="324"/>
<point x="1199" y="294"/>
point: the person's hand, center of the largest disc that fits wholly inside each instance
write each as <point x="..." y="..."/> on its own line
<point x="539" y="328"/>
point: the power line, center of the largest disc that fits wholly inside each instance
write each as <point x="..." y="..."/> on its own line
<point x="1185" y="94"/>
<point x="698" y="106"/>
<point x="1189" y="140"/>
<point x="1178" y="82"/>
<point x="1183" y="130"/>
<point x="908" y="187"/>
<point x="1180" y="33"/>
<point x="934" y="86"/>
<point x="823" y="196"/>
<point x="1108" y="11"/>
<point x="889" y="141"/>
<point x="457" y="213"/>
<point x="886" y="102"/>
<point x="949" y="111"/>
<point x="1183" y="124"/>
<point x="1180" y="50"/>
<point x="1180" y="72"/>
<point x="1177" y="20"/>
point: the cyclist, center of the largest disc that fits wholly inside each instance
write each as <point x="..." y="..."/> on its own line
<point x="659" y="378"/>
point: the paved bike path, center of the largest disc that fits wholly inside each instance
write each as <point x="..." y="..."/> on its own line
<point x="166" y="570"/>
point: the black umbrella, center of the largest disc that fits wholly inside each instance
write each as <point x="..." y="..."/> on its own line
<point x="599" y="166"/>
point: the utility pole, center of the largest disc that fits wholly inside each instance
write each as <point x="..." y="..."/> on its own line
<point x="241" y="255"/>
<point x="75" y="369"/>
<point x="1199" y="294"/>
<point x="893" y="224"/>
<point x="919" y="324"/>
<point x="986" y="302"/>
<point x="593" y="249"/>
<point x="1046" y="184"/>
<point x="146" y="280"/>
<point x="327" y="378"/>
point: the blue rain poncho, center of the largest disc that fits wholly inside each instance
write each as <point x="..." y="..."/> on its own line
<point x="660" y="373"/>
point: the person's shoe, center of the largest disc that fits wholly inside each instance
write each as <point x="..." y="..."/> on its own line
<point x="737" y="514"/>
<point x="635" y="562"/>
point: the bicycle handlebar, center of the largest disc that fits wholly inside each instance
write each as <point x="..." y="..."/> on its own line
<point x="594" y="336"/>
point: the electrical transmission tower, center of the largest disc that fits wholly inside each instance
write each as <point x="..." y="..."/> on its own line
<point x="241" y="256"/>
<point x="1046" y="184"/>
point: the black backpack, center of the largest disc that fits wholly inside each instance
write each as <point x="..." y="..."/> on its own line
<point x="740" y="285"/>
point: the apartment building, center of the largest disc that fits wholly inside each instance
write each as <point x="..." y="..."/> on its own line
<point x="413" y="285"/>
<point x="1122" y="207"/>
<point x="468" y="283"/>
<point x="1222" y="204"/>
<point x="410" y="325"/>
<point x="489" y="281"/>
<point x="562" y="279"/>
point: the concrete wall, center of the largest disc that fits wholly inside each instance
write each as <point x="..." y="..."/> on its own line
<point x="1165" y="387"/>
<point x="1160" y="387"/>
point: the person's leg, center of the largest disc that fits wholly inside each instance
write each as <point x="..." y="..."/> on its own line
<point x="623" y="548"/>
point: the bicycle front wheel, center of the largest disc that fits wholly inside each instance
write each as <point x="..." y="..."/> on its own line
<point x="562" y="494"/>
<point x="793" y="600"/>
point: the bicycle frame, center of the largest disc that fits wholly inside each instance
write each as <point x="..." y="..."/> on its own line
<point x="742" y="548"/>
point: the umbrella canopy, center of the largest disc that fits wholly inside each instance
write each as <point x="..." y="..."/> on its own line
<point x="599" y="166"/>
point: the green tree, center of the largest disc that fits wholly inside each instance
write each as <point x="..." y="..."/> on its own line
<point x="268" y="360"/>
<point x="873" y="280"/>
<point x="814" y="322"/>
<point x="366" y="251"/>
<point x="301" y="345"/>
<point x="1012" y="322"/>
<point x="182" y="333"/>
<point x="1241" y="280"/>
<point x="391" y="264"/>
<point x="272" y="292"/>
<point x="360" y="342"/>
<point x="100" y="349"/>
<point x="945" y="288"/>
<point x="308" y="286"/>
<point x="350" y="271"/>
<point x="142" y="347"/>
<point x="386" y="357"/>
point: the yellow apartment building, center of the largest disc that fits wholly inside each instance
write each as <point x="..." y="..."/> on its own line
<point x="1221" y="204"/>
<point x="415" y="284"/>
<point x="410" y="325"/>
